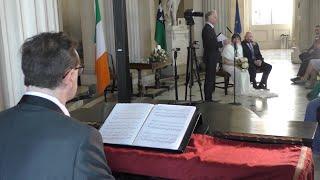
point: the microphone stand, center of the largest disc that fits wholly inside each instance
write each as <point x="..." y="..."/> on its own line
<point x="175" y="55"/>
<point x="229" y="30"/>
<point x="234" y="76"/>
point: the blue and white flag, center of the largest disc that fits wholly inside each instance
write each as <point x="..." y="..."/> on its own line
<point x="237" y="23"/>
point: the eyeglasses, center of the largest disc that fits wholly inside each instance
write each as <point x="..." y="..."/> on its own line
<point x="80" y="68"/>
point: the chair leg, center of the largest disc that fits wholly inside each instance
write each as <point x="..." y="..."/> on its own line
<point x="105" y="95"/>
<point x="226" y="85"/>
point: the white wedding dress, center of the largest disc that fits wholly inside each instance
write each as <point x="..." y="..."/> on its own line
<point x="243" y="85"/>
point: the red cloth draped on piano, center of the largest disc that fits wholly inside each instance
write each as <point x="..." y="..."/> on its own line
<point x="208" y="157"/>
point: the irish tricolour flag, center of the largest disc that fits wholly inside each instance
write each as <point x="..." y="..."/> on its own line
<point x="102" y="64"/>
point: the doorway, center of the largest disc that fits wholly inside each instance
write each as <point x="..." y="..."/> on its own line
<point x="269" y="20"/>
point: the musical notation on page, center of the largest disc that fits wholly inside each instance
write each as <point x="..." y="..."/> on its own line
<point x="147" y="125"/>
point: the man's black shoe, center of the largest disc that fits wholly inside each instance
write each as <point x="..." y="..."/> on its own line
<point x="262" y="86"/>
<point x="255" y="85"/>
<point x="295" y="79"/>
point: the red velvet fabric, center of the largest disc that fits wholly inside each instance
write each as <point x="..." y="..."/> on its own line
<point x="208" y="157"/>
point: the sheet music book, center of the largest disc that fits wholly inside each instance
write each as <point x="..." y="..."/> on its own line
<point x="147" y="125"/>
<point x="221" y="37"/>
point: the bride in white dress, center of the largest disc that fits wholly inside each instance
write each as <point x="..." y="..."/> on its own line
<point x="243" y="85"/>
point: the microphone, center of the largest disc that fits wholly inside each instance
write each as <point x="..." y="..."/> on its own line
<point x="87" y="95"/>
<point x="235" y="45"/>
<point x="229" y="30"/>
<point x="176" y="49"/>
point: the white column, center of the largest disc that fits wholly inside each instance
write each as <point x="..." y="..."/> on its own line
<point x="199" y="23"/>
<point x="133" y="30"/>
<point x="88" y="24"/>
<point x="20" y="19"/>
<point x="153" y="7"/>
<point x="314" y="15"/>
<point x="223" y="9"/>
<point x="306" y="18"/>
<point x="145" y="27"/>
<point x="71" y="19"/>
<point x="304" y="31"/>
<point x="109" y="30"/>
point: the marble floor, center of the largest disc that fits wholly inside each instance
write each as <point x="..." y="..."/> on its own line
<point x="288" y="106"/>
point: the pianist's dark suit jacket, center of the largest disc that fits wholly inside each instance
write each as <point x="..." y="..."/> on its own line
<point x="38" y="142"/>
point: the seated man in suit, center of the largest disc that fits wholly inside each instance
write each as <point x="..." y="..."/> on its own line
<point x="251" y="51"/>
<point x="38" y="138"/>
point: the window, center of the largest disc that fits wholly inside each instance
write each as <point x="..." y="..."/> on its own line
<point x="267" y="12"/>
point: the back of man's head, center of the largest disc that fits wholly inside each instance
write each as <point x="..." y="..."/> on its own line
<point x="46" y="58"/>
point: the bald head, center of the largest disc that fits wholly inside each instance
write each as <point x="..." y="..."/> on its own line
<point x="249" y="36"/>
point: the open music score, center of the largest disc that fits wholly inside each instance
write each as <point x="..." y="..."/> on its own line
<point x="147" y="125"/>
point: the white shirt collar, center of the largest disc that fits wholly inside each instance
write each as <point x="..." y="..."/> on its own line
<point x="50" y="98"/>
<point x="210" y="24"/>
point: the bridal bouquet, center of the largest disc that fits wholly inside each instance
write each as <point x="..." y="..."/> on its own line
<point x="158" y="55"/>
<point x="242" y="63"/>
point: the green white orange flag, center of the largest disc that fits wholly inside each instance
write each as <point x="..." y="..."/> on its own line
<point x="102" y="63"/>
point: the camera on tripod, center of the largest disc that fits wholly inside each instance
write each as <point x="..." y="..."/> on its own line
<point x="188" y="15"/>
<point x="192" y="70"/>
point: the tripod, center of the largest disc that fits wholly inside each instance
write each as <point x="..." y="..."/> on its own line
<point x="234" y="76"/>
<point x="192" y="69"/>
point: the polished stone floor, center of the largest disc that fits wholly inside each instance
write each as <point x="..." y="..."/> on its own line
<point x="288" y="106"/>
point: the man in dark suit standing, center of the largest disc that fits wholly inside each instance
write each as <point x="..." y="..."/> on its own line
<point x="251" y="51"/>
<point x="211" y="53"/>
<point x="38" y="138"/>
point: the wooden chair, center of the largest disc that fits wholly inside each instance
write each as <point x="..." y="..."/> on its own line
<point x="112" y="87"/>
<point x="226" y="77"/>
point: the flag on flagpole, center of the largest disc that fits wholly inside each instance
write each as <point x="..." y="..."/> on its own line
<point x="237" y="23"/>
<point x="160" y="34"/>
<point x="101" y="63"/>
